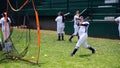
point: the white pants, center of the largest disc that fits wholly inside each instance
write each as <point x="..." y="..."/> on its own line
<point x="6" y="34"/>
<point x="119" y="30"/>
<point x="60" y="29"/>
<point x="82" y="40"/>
<point x="76" y="29"/>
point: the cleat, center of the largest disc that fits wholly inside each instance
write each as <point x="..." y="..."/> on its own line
<point x="93" y="51"/>
<point x="70" y="40"/>
<point x="58" y="40"/>
<point x="74" y="51"/>
<point x="72" y="55"/>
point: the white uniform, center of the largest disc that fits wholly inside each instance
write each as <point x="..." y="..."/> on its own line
<point x="76" y="27"/>
<point x="60" y="25"/>
<point x="118" y="19"/>
<point x="83" y="35"/>
<point x="5" y="27"/>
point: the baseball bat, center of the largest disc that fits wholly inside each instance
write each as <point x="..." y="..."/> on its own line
<point x="67" y="14"/>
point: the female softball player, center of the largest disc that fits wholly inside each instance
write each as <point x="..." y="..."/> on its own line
<point x="60" y="25"/>
<point x="5" y="26"/>
<point x="76" y="27"/>
<point x="117" y="20"/>
<point x="83" y="37"/>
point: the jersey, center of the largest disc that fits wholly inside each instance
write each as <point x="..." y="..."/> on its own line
<point x="60" y="24"/>
<point x="5" y="27"/>
<point x="84" y="28"/>
<point x="59" y="21"/>
<point x="2" y="21"/>
<point x="118" y="19"/>
<point x="76" y="20"/>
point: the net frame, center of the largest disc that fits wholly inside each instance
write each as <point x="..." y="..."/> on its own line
<point x="38" y="33"/>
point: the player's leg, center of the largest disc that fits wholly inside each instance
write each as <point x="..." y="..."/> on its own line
<point x="74" y="34"/>
<point x="4" y="37"/>
<point x="88" y="47"/>
<point x="70" y="39"/>
<point x="58" y="31"/>
<point x="119" y="30"/>
<point x="8" y="33"/>
<point x="78" y="35"/>
<point x="77" y="30"/>
<point x="59" y="36"/>
<point x="62" y="32"/>
<point x="80" y="41"/>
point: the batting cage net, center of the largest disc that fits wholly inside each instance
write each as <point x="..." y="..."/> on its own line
<point x="23" y="43"/>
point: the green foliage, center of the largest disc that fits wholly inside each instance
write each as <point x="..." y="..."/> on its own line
<point x="56" y="54"/>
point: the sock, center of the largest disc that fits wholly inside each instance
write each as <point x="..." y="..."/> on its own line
<point x="58" y="36"/>
<point x="74" y="51"/>
<point x="62" y="36"/>
<point x="70" y="39"/>
<point x="92" y="49"/>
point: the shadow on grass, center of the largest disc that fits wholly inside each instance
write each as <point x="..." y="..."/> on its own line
<point x="86" y="55"/>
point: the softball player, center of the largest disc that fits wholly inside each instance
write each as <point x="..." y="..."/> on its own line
<point x="83" y="37"/>
<point x="76" y="27"/>
<point x="60" y="25"/>
<point x="5" y="26"/>
<point x="118" y="21"/>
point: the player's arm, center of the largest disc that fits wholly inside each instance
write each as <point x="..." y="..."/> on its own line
<point x="117" y="20"/>
<point x="81" y="20"/>
<point x="84" y="24"/>
<point x="56" y="19"/>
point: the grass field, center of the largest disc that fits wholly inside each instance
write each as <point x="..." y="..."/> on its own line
<point x="56" y="54"/>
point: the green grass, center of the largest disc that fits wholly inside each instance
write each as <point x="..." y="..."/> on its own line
<point x="58" y="53"/>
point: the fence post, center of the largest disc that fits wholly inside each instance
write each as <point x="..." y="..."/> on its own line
<point x="67" y="5"/>
<point x="50" y="4"/>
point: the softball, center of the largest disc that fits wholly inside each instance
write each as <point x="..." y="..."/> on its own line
<point x="45" y="55"/>
<point x="33" y="57"/>
<point x="16" y="58"/>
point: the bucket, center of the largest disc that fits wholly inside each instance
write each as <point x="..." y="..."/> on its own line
<point x="8" y="47"/>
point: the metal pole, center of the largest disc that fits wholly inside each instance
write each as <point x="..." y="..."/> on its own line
<point x="50" y="4"/>
<point x="67" y="5"/>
